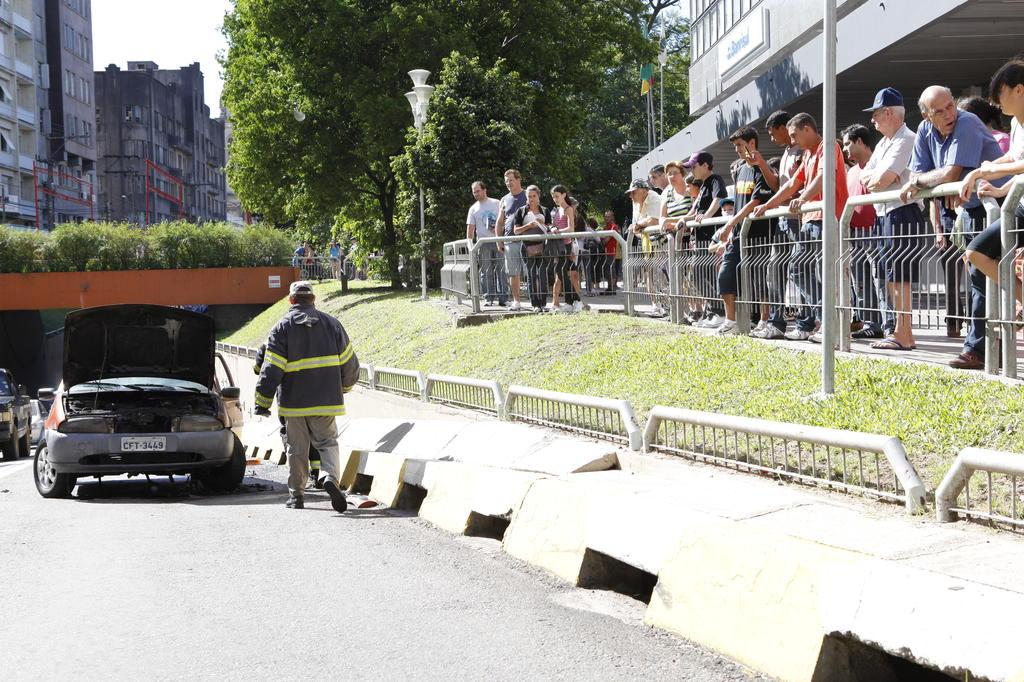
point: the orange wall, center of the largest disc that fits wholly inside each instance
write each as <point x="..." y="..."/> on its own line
<point x="213" y="286"/>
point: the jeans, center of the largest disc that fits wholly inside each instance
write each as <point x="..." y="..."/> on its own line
<point x="493" y="282"/>
<point x="780" y="270"/>
<point x="806" y="264"/>
<point x="975" y="340"/>
<point x="540" y="282"/>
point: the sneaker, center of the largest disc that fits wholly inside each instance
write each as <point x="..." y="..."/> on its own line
<point x="770" y="331"/>
<point x="756" y="332"/>
<point x="798" y="335"/>
<point x="714" y="322"/>
<point x="295" y="502"/>
<point x="338" y="500"/>
<point x="577" y="307"/>
<point x="816" y="337"/>
<point x="564" y="308"/>
<point x="538" y="309"/>
<point x="728" y="328"/>
<point x="516" y="306"/>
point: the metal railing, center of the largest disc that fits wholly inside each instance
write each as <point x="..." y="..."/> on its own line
<point x="472" y="394"/>
<point x="455" y="270"/>
<point x="998" y="491"/>
<point x="318" y="268"/>
<point x="244" y="351"/>
<point x="401" y="381"/>
<point x="580" y="272"/>
<point x="1005" y="314"/>
<point x="854" y="462"/>
<point x="366" y="376"/>
<point x="598" y="417"/>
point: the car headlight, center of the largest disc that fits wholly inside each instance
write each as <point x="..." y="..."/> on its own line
<point x="5" y="415"/>
<point x="84" y="425"/>
<point x="197" y="422"/>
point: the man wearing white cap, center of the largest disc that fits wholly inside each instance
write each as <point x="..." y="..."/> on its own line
<point x="310" y="357"/>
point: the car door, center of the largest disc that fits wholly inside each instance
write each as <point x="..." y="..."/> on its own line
<point x="232" y="405"/>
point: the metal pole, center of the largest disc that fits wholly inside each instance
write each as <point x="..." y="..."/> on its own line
<point x="829" y="233"/>
<point x="423" y="247"/>
<point x="661" y="79"/>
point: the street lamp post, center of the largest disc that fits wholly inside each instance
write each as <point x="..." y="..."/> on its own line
<point x="419" y="98"/>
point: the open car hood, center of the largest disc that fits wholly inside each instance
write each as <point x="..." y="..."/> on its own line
<point x="138" y="341"/>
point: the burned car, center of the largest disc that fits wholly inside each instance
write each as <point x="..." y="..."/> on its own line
<point x="140" y="395"/>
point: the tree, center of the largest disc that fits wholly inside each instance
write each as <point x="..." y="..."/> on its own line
<point x="475" y="132"/>
<point x="343" y="63"/>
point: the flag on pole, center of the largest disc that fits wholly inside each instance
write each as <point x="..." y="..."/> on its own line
<point x="647" y="76"/>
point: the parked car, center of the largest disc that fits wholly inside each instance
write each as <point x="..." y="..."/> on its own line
<point x="140" y="395"/>
<point x="39" y="412"/>
<point x="15" y="418"/>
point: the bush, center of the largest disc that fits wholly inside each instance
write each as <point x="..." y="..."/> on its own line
<point x="119" y="246"/>
<point x="262" y="245"/>
<point x="74" y="248"/>
<point x="21" y="251"/>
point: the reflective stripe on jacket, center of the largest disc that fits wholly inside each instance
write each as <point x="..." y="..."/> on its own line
<point x="310" y="357"/>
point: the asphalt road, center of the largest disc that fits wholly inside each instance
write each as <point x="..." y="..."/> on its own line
<point x="132" y="581"/>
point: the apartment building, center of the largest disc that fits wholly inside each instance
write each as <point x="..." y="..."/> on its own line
<point x="161" y="156"/>
<point x="19" y="73"/>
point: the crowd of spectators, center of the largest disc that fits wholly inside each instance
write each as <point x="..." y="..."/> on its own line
<point x="891" y="242"/>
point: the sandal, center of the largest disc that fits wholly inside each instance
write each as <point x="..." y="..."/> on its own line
<point x="890" y="343"/>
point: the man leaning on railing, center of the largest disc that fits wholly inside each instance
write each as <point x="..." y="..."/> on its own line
<point x="950" y="143"/>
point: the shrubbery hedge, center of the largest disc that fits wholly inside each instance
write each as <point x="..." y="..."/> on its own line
<point x="119" y="246"/>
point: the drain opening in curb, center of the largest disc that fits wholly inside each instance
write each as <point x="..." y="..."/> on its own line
<point x="484" y="526"/>
<point x="410" y="498"/>
<point x="846" y="659"/>
<point x="602" y="572"/>
<point x="362" y="484"/>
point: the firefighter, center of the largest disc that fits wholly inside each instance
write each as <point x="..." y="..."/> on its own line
<point x="314" y="456"/>
<point x="310" y="358"/>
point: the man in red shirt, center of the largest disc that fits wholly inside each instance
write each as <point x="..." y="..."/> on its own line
<point x="871" y="302"/>
<point x="806" y="258"/>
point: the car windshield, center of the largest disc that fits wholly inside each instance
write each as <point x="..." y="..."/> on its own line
<point x="5" y="386"/>
<point x="138" y="384"/>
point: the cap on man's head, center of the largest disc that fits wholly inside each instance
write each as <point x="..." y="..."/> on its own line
<point x="300" y="288"/>
<point x="638" y="184"/>
<point x="727" y="201"/>
<point x="886" y="97"/>
<point x="698" y="158"/>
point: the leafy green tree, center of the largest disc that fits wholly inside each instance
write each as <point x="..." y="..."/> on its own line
<point x="343" y="64"/>
<point x="479" y="126"/>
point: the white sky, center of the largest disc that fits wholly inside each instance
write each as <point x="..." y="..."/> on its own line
<point x="171" y="33"/>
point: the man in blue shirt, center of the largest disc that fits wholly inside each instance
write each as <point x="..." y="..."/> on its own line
<point x="949" y="144"/>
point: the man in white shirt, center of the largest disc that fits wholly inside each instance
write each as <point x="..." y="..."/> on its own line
<point x="480" y="222"/>
<point x="902" y="223"/>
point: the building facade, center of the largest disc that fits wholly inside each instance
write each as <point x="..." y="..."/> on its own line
<point x="19" y="72"/>
<point x="66" y="165"/>
<point x="752" y="57"/>
<point x="161" y="156"/>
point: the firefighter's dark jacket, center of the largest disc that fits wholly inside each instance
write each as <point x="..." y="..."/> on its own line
<point x="310" y="357"/>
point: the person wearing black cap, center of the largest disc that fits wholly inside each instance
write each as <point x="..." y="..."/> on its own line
<point x="310" y="358"/>
<point x="901" y="222"/>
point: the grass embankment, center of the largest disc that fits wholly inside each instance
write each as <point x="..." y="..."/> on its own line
<point x="935" y="412"/>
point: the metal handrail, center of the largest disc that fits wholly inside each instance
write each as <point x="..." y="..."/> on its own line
<point x="474" y="265"/>
<point x="420" y="377"/>
<point x="492" y="387"/>
<point x="891" y="447"/>
<point x="633" y="434"/>
<point x="964" y="466"/>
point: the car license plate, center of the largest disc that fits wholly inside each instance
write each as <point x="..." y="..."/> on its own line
<point x="148" y="444"/>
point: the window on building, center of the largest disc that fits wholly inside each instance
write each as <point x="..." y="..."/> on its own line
<point x="5" y="141"/>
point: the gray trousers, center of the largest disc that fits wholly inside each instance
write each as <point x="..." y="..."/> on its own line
<point x="322" y="434"/>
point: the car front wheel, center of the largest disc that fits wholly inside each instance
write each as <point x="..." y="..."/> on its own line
<point x="48" y="482"/>
<point x="226" y="477"/>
